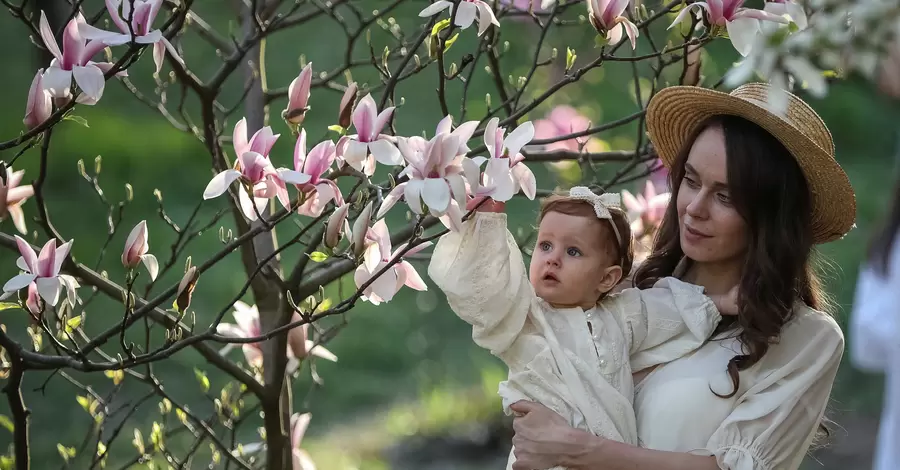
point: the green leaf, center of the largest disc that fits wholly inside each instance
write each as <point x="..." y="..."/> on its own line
<point x="9" y="305"/>
<point x="570" y="58"/>
<point x="440" y="26"/>
<point x="66" y="452"/>
<point x="7" y="423"/>
<point x="449" y="42"/>
<point x="336" y="128"/>
<point x="72" y="324"/>
<point x="203" y="379"/>
<point x="85" y="402"/>
<point x="600" y="41"/>
<point x="318" y="256"/>
<point x="78" y="119"/>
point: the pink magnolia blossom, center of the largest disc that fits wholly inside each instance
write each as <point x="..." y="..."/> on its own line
<point x="345" y="111"/>
<point x="43" y="270"/>
<point x="255" y="172"/>
<point x="788" y="8"/>
<point x="247" y="325"/>
<point x="505" y="173"/>
<point x="337" y="224"/>
<point x="607" y="17"/>
<point x="74" y="62"/>
<point x="318" y="191"/>
<point x="435" y="179"/>
<point x="378" y="255"/>
<point x="136" y="250"/>
<point x="562" y="120"/>
<point x="298" y="96"/>
<point x="12" y="196"/>
<point x="741" y="23"/>
<point x="142" y="17"/>
<point x="468" y="10"/>
<point x="300" y="459"/>
<point x="361" y="229"/>
<point x="646" y="210"/>
<point x="33" y="301"/>
<point x="369" y="145"/>
<point x="40" y="105"/>
<point x="660" y="175"/>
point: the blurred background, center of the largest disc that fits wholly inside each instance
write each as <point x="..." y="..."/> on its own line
<point x="410" y="390"/>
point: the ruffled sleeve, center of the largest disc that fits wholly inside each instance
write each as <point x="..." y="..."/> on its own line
<point x="664" y="322"/>
<point x="775" y="419"/>
<point x="481" y="271"/>
<point x="875" y="322"/>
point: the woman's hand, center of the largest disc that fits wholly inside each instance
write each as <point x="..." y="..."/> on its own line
<point x="543" y="439"/>
<point x="489" y="205"/>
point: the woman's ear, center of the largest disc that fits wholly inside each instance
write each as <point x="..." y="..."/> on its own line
<point x="609" y="278"/>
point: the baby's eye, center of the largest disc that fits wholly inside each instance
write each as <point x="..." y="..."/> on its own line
<point x="544" y="246"/>
<point x="573" y="252"/>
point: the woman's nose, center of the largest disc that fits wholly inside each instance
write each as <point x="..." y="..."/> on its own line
<point x="697" y="208"/>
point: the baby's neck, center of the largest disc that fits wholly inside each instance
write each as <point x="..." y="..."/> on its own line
<point x="559" y="306"/>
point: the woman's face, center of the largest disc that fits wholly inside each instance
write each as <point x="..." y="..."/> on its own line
<point x="710" y="229"/>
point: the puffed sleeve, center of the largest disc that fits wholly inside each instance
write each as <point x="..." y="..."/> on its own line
<point x="664" y="322"/>
<point x="480" y="270"/>
<point x="875" y="322"/>
<point x="775" y="419"/>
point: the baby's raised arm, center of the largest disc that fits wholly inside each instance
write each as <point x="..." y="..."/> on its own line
<point x="482" y="273"/>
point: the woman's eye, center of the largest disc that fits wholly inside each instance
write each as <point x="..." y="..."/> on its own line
<point x="573" y="252"/>
<point x="724" y="198"/>
<point x="690" y="182"/>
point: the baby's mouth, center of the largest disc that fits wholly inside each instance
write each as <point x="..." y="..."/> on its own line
<point x="551" y="277"/>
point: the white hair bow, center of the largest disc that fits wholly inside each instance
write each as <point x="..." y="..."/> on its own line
<point x="601" y="202"/>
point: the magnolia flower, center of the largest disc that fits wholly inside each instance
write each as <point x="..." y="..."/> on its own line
<point x="300" y="459"/>
<point x="39" y="106"/>
<point x="298" y="96"/>
<point x="255" y="172"/>
<point x="318" y="191"/>
<point x="186" y="289"/>
<point x="378" y="255"/>
<point x="468" y="10"/>
<point x="136" y="248"/>
<point x="505" y="173"/>
<point x="141" y="18"/>
<point x="369" y="145"/>
<point x="788" y="8"/>
<point x="607" y="18"/>
<point x="12" y="196"/>
<point x="43" y="270"/>
<point x="646" y="210"/>
<point x="435" y="178"/>
<point x="247" y="325"/>
<point x="33" y="301"/>
<point x="361" y="230"/>
<point x="345" y="112"/>
<point x="463" y="133"/>
<point x="73" y="62"/>
<point x="337" y="224"/>
<point x="562" y="120"/>
<point x="741" y="23"/>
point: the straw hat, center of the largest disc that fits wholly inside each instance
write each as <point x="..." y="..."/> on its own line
<point x="675" y="112"/>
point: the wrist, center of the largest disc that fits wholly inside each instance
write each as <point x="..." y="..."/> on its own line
<point x="587" y="450"/>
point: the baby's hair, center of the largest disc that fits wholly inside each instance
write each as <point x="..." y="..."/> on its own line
<point x="623" y="253"/>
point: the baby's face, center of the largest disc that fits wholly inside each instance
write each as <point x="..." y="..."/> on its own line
<point x="569" y="264"/>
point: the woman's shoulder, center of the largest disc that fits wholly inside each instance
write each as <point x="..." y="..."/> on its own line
<point x="810" y="328"/>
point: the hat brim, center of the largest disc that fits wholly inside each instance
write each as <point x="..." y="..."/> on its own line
<point x="675" y="112"/>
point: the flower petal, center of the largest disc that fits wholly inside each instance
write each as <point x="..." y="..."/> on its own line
<point x="413" y="280"/>
<point x="436" y="194"/>
<point x="151" y="264"/>
<point x="29" y="257"/>
<point x="57" y="81"/>
<point x="742" y="32"/>
<point x="18" y="282"/>
<point x="412" y="192"/>
<point x="48" y="38"/>
<point x="48" y="288"/>
<point x="356" y="153"/>
<point x="466" y="15"/>
<point x="435" y="8"/>
<point x="518" y="138"/>
<point x="391" y="199"/>
<point x="60" y="256"/>
<point x="385" y="152"/>
<point x="525" y="178"/>
<point x="220" y="183"/>
<point x="239" y="138"/>
<point x="90" y="79"/>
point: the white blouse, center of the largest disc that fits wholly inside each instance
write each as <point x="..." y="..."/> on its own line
<point x="769" y="423"/>
<point x="554" y="357"/>
<point x="875" y="346"/>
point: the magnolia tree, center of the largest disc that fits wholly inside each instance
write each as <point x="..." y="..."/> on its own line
<point x="329" y="189"/>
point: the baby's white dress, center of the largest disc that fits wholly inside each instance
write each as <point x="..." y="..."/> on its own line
<point x="582" y="373"/>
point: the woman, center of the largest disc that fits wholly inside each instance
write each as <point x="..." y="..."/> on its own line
<point x="752" y="192"/>
<point x="875" y="321"/>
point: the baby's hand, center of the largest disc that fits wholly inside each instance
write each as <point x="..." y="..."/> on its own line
<point x="727" y="304"/>
<point x="489" y="205"/>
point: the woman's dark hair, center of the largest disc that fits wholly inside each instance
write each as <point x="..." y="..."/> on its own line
<point x="879" y="255"/>
<point x="769" y="191"/>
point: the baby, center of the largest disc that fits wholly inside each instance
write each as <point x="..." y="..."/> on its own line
<point x="568" y="345"/>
